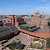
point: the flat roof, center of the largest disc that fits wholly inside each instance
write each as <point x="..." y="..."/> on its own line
<point x="36" y="33"/>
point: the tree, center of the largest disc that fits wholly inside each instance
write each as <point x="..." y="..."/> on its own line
<point x="48" y="42"/>
<point x="49" y="24"/>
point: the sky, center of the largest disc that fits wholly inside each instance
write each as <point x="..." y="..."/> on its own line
<point x="23" y="7"/>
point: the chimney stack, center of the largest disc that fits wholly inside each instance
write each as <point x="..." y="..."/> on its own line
<point x="13" y="20"/>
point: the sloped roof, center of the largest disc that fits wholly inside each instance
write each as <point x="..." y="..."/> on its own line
<point x="5" y="33"/>
<point x="12" y="27"/>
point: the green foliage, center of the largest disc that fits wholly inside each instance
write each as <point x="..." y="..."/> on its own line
<point x="31" y="46"/>
<point x="12" y="45"/>
<point x="36" y="39"/>
<point x="19" y="49"/>
<point x="12" y="48"/>
<point x="42" y="47"/>
<point x="49" y="22"/>
<point x="48" y="42"/>
<point x="19" y="43"/>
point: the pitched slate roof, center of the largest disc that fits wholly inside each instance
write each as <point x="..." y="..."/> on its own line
<point x="5" y="33"/>
<point x="12" y="27"/>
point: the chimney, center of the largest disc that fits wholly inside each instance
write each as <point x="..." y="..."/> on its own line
<point x="13" y="20"/>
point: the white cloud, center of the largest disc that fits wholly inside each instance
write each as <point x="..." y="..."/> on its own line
<point x="45" y="9"/>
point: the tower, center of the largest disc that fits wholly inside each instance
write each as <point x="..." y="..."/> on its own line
<point x="13" y="19"/>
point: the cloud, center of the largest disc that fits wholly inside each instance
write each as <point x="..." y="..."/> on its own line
<point x="45" y="9"/>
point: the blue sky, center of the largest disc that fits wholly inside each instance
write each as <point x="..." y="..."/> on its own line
<point x="24" y="6"/>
